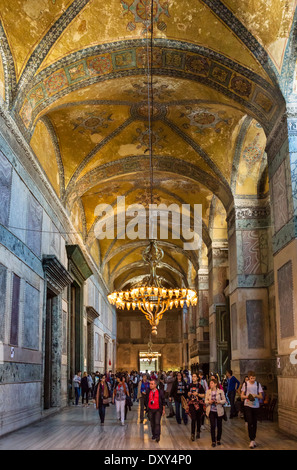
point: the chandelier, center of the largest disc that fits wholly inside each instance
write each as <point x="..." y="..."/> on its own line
<point x="150" y="355"/>
<point x="152" y="298"/>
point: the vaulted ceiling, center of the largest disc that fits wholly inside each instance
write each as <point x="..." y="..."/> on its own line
<point x="74" y="76"/>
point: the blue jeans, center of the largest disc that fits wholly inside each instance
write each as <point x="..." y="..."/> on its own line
<point x="77" y="394"/>
<point x="177" y="412"/>
<point x="135" y="392"/>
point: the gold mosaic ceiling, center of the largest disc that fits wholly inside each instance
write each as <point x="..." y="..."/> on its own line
<point x="74" y="76"/>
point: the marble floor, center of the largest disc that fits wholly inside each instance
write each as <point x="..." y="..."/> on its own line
<point x="78" y="428"/>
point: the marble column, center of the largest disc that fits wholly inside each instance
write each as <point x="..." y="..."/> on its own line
<point x="251" y="278"/>
<point x="218" y="275"/>
<point x="282" y="167"/>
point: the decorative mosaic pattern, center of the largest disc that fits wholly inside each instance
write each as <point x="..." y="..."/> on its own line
<point x="285" y="298"/>
<point x="243" y="34"/>
<point x="203" y="118"/>
<point x="141" y="90"/>
<point x="92" y="122"/>
<point x="9" y="68"/>
<point x="70" y="74"/>
<point x="48" y="40"/>
<point x="253" y="152"/>
<point x="146" y="12"/>
<point x="156" y="137"/>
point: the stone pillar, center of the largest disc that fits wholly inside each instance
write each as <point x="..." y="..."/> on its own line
<point x="218" y="275"/>
<point x="251" y="276"/>
<point x="202" y="322"/>
<point x="282" y="167"/>
<point x="92" y="314"/>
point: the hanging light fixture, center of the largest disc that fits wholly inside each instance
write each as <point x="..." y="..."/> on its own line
<point x="150" y="355"/>
<point x="152" y="299"/>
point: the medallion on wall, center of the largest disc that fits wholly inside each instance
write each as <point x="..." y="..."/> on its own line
<point x="146" y="12"/>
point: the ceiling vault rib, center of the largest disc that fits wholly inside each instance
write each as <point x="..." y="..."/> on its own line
<point x="93" y="152"/>
<point x="163" y="163"/>
<point x="197" y="149"/>
<point x="108" y="256"/>
<point x="245" y="36"/>
<point x="53" y="135"/>
<point x="47" y="42"/>
<point x="9" y="68"/>
<point x="238" y="149"/>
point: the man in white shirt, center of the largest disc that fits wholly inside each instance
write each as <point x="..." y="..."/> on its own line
<point x="251" y="392"/>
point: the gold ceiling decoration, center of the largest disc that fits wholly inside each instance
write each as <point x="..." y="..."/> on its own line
<point x="152" y="299"/>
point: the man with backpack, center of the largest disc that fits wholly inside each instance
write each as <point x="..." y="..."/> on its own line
<point x="251" y="393"/>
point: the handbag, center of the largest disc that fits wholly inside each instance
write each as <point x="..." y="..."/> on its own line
<point x="106" y="401"/>
<point x="225" y="415"/>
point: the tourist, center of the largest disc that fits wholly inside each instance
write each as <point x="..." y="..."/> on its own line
<point x="135" y="385"/>
<point x="195" y="401"/>
<point x="179" y="389"/>
<point x="119" y="398"/>
<point x="168" y="383"/>
<point x="155" y="402"/>
<point x="204" y="384"/>
<point x="143" y="390"/>
<point x="239" y="403"/>
<point x="251" y="393"/>
<point x="102" y="397"/>
<point x="76" y="384"/>
<point x="85" y="389"/>
<point x="214" y="400"/>
<point x="233" y="385"/>
<point x="216" y="377"/>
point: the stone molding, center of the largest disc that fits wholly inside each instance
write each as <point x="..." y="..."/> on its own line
<point x="56" y="275"/>
<point x="92" y="314"/>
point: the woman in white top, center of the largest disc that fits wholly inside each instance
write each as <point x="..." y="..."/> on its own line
<point x="214" y="400"/>
<point x="251" y="392"/>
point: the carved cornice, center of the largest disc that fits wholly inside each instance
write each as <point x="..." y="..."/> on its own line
<point x="92" y="314"/>
<point x="252" y="212"/>
<point x="56" y="275"/>
<point x="78" y="262"/>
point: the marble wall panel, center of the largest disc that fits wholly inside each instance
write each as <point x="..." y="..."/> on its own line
<point x="3" y="283"/>
<point x="18" y="208"/>
<point x="234" y="326"/>
<point x="255" y="324"/>
<point x="280" y="203"/>
<point x="285" y="295"/>
<point x="5" y="189"/>
<point x="34" y="225"/>
<point x="15" y="308"/>
<point x="251" y="252"/>
<point x="31" y="317"/>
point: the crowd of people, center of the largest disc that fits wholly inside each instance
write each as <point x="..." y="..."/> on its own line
<point x="187" y="396"/>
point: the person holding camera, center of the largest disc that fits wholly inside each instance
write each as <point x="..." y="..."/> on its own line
<point x="156" y="406"/>
<point x="251" y="393"/>
<point x="214" y="401"/>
